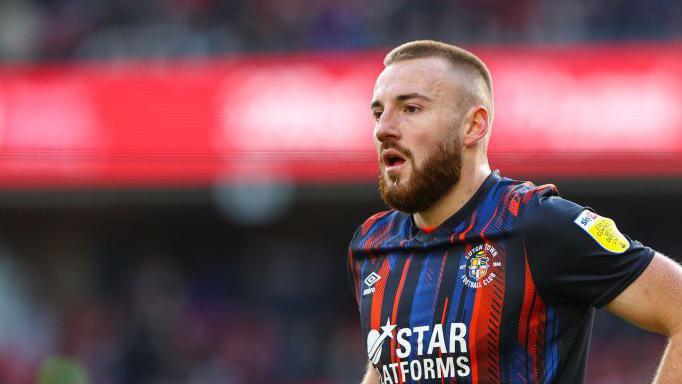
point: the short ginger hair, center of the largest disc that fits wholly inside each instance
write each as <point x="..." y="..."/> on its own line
<point x="460" y="58"/>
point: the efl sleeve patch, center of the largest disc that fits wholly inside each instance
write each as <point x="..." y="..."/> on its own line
<point x="603" y="230"/>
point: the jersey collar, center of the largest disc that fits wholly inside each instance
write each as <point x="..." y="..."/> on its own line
<point x="463" y="213"/>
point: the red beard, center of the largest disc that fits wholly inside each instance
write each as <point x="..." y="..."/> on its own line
<point x="428" y="183"/>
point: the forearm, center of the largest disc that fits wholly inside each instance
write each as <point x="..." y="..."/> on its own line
<point x="371" y="376"/>
<point x="670" y="369"/>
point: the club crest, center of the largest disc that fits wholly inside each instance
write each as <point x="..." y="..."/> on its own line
<point x="478" y="266"/>
<point x="481" y="266"/>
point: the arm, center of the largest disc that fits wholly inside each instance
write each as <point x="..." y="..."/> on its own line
<point x="654" y="302"/>
<point x="371" y="376"/>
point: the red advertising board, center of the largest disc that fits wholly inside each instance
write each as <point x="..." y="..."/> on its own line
<point x="579" y="111"/>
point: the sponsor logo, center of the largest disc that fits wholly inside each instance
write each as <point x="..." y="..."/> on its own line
<point x="603" y="230"/>
<point x="370" y="280"/>
<point x="375" y="341"/>
<point x="424" y="351"/>
<point x="481" y="265"/>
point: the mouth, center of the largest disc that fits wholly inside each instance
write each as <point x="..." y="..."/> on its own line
<point x="392" y="159"/>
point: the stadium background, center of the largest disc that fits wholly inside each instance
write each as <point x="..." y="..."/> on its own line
<point x="180" y="178"/>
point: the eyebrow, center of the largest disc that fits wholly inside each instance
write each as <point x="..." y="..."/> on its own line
<point x="407" y="96"/>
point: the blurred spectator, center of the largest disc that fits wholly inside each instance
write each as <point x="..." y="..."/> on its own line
<point x="20" y="30"/>
<point x="36" y="30"/>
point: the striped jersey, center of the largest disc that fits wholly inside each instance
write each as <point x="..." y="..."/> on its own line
<point x="503" y="291"/>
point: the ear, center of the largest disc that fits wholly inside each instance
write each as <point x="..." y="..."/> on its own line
<point x="477" y="125"/>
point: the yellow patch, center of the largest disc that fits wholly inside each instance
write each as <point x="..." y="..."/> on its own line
<point x="604" y="231"/>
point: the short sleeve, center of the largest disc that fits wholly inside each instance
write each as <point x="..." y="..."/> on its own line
<point x="577" y="256"/>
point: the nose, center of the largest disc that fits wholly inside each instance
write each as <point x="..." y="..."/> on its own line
<point x="386" y="128"/>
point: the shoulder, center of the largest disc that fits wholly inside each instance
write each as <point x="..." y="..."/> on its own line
<point x="378" y="219"/>
<point x="545" y="210"/>
<point x="377" y="226"/>
<point x="528" y="192"/>
<point x="524" y="197"/>
<point x="539" y="209"/>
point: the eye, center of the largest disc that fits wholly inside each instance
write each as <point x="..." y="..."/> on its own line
<point x="411" y="109"/>
<point x="376" y="115"/>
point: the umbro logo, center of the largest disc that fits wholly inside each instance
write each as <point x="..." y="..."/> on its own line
<point x="370" y="280"/>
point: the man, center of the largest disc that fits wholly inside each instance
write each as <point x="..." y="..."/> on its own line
<point x="476" y="278"/>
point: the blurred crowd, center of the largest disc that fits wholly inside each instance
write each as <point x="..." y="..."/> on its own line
<point x="184" y="298"/>
<point x="39" y="30"/>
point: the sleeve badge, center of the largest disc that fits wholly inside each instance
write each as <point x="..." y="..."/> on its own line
<point x="603" y="230"/>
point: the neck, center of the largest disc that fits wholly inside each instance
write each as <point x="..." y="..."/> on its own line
<point x="469" y="182"/>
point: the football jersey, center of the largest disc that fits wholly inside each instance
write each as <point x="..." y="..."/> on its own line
<point x="503" y="291"/>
